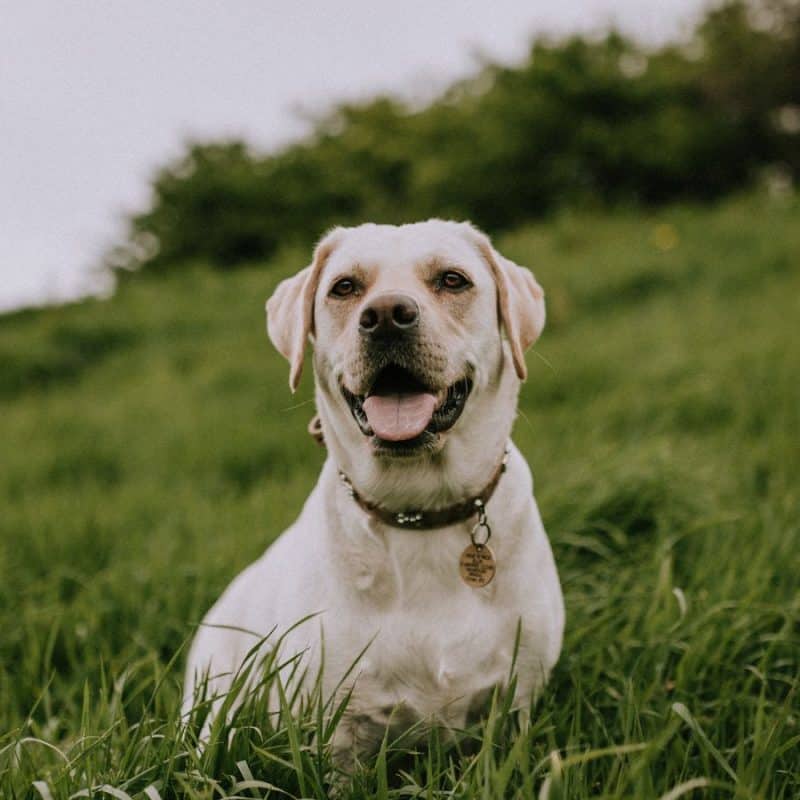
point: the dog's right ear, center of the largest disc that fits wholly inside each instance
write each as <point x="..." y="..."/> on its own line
<point x="520" y="300"/>
<point x="290" y="310"/>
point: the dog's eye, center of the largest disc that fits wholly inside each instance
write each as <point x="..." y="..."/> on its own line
<point x="453" y="281"/>
<point x="343" y="287"/>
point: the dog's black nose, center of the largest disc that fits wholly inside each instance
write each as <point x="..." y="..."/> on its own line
<point x="388" y="314"/>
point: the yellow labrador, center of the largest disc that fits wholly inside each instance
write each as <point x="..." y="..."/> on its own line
<point x="418" y="333"/>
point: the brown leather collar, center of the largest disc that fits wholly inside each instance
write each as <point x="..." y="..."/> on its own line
<point x="433" y="518"/>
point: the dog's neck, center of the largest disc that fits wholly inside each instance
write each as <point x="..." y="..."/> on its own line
<point x="428" y="519"/>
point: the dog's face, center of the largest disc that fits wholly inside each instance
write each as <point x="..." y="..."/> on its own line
<point x="401" y="322"/>
<point x="408" y="326"/>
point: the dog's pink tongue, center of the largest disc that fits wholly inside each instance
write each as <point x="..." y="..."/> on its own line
<point x="397" y="417"/>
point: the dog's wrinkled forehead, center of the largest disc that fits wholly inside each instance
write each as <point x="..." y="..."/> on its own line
<point x="396" y="250"/>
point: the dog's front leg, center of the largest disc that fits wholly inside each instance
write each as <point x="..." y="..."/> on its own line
<point x="529" y="687"/>
<point x="357" y="736"/>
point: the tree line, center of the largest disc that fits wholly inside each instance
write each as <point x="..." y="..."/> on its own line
<point x="581" y="122"/>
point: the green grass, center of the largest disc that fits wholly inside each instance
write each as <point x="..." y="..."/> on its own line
<point x="150" y="449"/>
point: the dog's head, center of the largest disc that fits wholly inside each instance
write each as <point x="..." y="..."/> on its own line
<point x="419" y="332"/>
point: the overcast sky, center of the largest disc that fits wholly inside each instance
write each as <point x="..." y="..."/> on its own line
<point x="96" y="94"/>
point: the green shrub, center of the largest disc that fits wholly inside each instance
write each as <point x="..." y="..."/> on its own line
<point x="579" y="122"/>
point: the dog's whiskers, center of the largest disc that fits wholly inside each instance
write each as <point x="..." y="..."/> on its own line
<point x="525" y="417"/>
<point x="299" y="405"/>
<point x="544" y="360"/>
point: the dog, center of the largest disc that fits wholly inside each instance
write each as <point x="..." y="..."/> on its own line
<point x="420" y="552"/>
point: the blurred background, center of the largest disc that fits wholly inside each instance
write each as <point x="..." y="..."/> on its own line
<point x="228" y="134"/>
<point x="164" y="165"/>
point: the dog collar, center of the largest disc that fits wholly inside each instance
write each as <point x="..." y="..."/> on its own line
<point x="437" y="517"/>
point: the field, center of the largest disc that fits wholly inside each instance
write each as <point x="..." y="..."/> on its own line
<point x="150" y="449"/>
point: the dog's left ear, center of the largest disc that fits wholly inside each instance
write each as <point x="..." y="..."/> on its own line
<point x="520" y="301"/>
<point x="290" y="310"/>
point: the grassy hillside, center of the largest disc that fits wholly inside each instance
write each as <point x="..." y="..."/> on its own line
<point x="150" y="448"/>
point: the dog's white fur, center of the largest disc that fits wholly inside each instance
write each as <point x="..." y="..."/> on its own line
<point x="435" y="647"/>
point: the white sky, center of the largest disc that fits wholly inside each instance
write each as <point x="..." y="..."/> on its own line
<point x="96" y="94"/>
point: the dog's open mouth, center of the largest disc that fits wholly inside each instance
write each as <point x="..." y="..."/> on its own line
<point x="401" y="409"/>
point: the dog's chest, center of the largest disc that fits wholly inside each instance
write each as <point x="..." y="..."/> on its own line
<point x="440" y="664"/>
<point x="439" y="645"/>
<point x="435" y="646"/>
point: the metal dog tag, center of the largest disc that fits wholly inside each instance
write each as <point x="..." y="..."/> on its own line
<point x="477" y="565"/>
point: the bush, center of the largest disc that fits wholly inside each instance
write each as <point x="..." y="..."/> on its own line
<point x="579" y="122"/>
